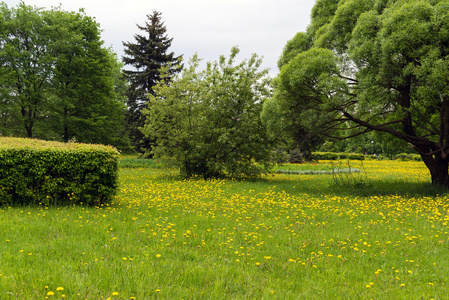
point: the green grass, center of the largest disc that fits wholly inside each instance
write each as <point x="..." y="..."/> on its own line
<point x="133" y="162"/>
<point x="307" y="166"/>
<point x="281" y="237"/>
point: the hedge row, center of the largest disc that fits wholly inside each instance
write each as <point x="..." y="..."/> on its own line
<point x="357" y="156"/>
<point x="319" y="172"/>
<point x="51" y="173"/>
<point x="336" y="156"/>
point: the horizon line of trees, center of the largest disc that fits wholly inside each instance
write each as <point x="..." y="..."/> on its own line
<point x="59" y="82"/>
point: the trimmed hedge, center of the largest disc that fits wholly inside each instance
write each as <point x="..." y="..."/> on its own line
<point x="319" y="172"/>
<point x="52" y="173"/>
<point x="337" y="156"/>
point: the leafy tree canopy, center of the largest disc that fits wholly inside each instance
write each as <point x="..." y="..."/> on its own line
<point x="208" y="122"/>
<point x="57" y="80"/>
<point x="373" y="65"/>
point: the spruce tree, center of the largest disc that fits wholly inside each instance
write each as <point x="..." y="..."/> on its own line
<point x="146" y="56"/>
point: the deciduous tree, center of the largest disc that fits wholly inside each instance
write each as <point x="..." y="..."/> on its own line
<point x="58" y="80"/>
<point x="369" y="65"/>
<point x="208" y="122"/>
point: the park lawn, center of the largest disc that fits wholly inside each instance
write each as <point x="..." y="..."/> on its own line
<point x="371" y="235"/>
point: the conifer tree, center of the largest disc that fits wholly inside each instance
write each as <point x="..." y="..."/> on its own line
<point x="146" y="56"/>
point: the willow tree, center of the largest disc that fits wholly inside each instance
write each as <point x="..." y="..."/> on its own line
<point x="373" y="65"/>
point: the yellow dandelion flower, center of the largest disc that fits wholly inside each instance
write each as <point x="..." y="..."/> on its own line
<point x="158" y="255"/>
<point x="59" y="289"/>
<point x="114" y="294"/>
<point x="50" y="293"/>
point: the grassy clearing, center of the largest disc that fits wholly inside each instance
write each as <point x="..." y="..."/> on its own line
<point x="380" y="236"/>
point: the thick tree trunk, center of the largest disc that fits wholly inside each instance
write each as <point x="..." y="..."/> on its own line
<point x="439" y="171"/>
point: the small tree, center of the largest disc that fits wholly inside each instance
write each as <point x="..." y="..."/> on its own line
<point x="146" y="56"/>
<point x="208" y="122"/>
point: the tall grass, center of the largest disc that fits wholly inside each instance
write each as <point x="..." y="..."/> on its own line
<point x="281" y="237"/>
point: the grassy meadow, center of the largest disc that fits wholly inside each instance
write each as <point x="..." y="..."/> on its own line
<point x="378" y="234"/>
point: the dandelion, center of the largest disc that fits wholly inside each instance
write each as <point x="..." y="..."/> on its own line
<point x="115" y="294"/>
<point x="158" y="290"/>
<point x="158" y="255"/>
<point x="59" y="289"/>
<point x="50" y="293"/>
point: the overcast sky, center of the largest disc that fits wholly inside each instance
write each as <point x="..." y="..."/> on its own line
<point x="207" y="27"/>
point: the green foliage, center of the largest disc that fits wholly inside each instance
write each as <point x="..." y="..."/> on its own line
<point x="51" y="173"/>
<point x="350" y="177"/>
<point x="366" y="65"/>
<point x="58" y="80"/>
<point x="336" y="156"/>
<point x="407" y="157"/>
<point x="295" y="156"/>
<point x="335" y="172"/>
<point x="208" y="122"/>
<point x="146" y="56"/>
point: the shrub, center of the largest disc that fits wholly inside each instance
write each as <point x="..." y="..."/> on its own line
<point x="51" y="173"/>
<point x="208" y="122"/>
<point x="408" y="157"/>
<point x="336" y="156"/>
<point x="356" y="156"/>
<point x="296" y="156"/>
<point x="326" y="156"/>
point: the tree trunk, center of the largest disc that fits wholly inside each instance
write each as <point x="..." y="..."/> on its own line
<point x="439" y="171"/>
